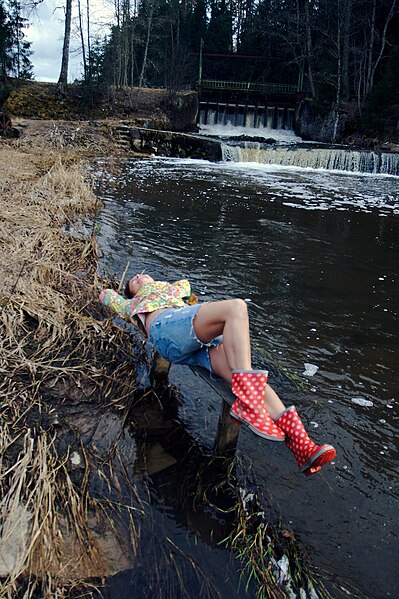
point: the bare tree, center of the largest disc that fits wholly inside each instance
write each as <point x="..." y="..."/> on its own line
<point x="371" y="52"/>
<point x="63" y="78"/>
<point x="147" y="43"/>
<point x="373" y="63"/>
<point x="309" y="48"/>
<point x="89" y="57"/>
<point x="82" y="40"/>
<point x="346" y="24"/>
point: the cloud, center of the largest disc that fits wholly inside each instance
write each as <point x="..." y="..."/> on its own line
<point x="46" y="33"/>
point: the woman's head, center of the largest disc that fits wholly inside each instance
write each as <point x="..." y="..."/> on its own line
<point x="136" y="283"/>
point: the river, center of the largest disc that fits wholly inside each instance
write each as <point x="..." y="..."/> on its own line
<point x="316" y="256"/>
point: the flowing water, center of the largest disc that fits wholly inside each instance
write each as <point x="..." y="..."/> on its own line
<point x="316" y="256"/>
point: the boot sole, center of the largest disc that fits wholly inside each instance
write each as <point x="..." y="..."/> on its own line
<point x="255" y="430"/>
<point x="322" y="457"/>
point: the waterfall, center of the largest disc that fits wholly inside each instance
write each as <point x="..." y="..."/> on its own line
<point x="247" y="115"/>
<point x="340" y="159"/>
<point x="270" y="117"/>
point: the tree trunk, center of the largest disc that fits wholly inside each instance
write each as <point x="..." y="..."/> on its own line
<point x="371" y="48"/>
<point x="132" y="53"/>
<point x="339" y="78"/>
<point x="63" y="78"/>
<point x="347" y="16"/>
<point x="373" y="64"/>
<point x="82" y="40"/>
<point x="147" y="44"/>
<point x="309" y="50"/>
<point x="89" y="57"/>
<point x="383" y="43"/>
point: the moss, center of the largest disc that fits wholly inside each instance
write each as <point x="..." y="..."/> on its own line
<point x="39" y="101"/>
<point x="80" y="101"/>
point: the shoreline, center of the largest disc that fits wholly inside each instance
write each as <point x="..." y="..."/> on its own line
<point x="63" y="367"/>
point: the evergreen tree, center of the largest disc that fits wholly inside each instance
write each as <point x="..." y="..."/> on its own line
<point x="14" y="49"/>
<point x="20" y="48"/>
<point x="5" y="43"/>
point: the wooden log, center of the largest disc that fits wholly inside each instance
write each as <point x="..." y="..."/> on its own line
<point x="159" y="370"/>
<point x="228" y="428"/>
<point x="228" y="431"/>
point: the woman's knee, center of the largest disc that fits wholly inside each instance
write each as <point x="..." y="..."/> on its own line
<point x="238" y="308"/>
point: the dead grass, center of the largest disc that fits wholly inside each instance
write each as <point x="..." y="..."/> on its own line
<point x="55" y="349"/>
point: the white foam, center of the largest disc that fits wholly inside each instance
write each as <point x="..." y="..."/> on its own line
<point x="361" y="401"/>
<point x="310" y="369"/>
<point x="285" y="135"/>
<point x="296" y="187"/>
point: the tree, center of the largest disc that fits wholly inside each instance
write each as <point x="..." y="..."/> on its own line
<point x="336" y="50"/>
<point x="376" y="47"/>
<point x="14" y="49"/>
<point x="63" y="78"/>
<point x="21" y="65"/>
<point x="5" y="42"/>
<point x="149" y="6"/>
<point x="346" y="33"/>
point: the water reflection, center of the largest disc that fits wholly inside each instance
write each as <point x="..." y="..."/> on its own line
<point x="195" y="502"/>
<point x="316" y="257"/>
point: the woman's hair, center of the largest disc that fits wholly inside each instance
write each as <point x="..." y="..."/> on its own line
<point x="128" y="293"/>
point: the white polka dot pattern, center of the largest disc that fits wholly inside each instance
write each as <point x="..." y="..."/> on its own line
<point x="250" y="406"/>
<point x="309" y="456"/>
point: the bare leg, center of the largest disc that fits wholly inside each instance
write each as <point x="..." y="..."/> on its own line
<point x="221" y="367"/>
<point x="230" y="319"/>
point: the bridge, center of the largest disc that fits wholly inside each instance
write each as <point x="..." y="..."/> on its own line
<point x="262" y="88"/>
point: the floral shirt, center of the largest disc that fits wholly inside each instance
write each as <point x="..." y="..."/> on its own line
<point x="151" y="297"/>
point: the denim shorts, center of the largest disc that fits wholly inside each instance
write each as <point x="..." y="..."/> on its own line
<point x="172" y="335"/>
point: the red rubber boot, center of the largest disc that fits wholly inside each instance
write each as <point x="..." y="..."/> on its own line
<point x="309" y="456"/>
<point x="249" y="408"/>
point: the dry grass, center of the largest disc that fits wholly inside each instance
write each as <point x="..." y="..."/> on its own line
<point x="55" y="351"/>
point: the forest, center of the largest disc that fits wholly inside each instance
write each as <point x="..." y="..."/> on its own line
<point x="335" y="51"/>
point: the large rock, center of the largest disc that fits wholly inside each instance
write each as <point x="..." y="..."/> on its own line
<point x="14" y="539"/>
<point x="311" y="124"/>
<point x="182" y="110"/>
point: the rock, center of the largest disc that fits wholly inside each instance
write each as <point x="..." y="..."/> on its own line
<point x="157" y="459"/>
<point x="328" y="127"/>
<point x="182" y="110"/>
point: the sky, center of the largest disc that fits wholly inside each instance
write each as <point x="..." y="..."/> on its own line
<point x="46" y="32"/>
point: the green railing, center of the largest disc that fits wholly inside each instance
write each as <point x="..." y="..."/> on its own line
<point x="275" y="88"/>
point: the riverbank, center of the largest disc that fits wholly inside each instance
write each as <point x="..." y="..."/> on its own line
<point x="63" y="374"/>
